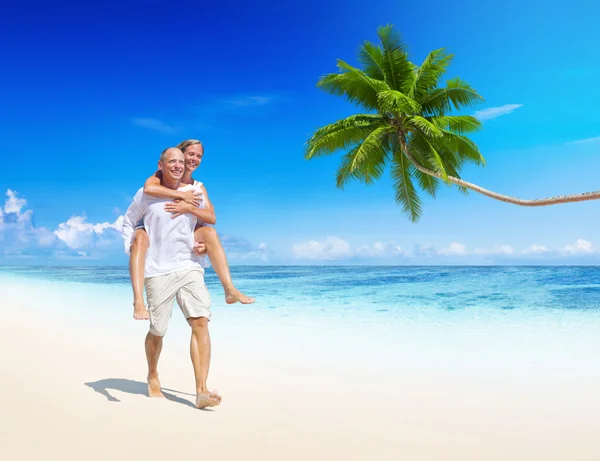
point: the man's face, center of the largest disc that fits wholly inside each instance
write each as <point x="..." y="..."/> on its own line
<point x="193" y="157"/>
<point x="173" y="165"/>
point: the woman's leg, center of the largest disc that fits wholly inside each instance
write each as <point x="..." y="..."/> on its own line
<point x="216" y="253"/>
<point x="137" y="261"/>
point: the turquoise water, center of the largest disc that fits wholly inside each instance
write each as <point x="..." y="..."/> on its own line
<point x="438" y="318"/>
<point x="377" y="290"/>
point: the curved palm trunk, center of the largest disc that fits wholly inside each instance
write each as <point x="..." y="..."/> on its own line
<point x="505" y="198"/>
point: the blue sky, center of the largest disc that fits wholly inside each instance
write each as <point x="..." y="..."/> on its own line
<point x="92" y="92"/>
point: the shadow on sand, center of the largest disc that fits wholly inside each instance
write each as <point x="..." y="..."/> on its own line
<point x="133" y="387"/>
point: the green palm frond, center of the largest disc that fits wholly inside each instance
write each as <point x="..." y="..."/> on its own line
<point x="462" y="147"/>
<point x="457" y="123"/>
<point x="345" y="172"/>
<point x="342" y="134"/>
<point x="457" y="94"/>
<point x="371" y="57"/>
<point x="370" y="149"/>
<point x="406" y="193"/>
<point x="424" y="148"/>
<point x="354" y="84"/>
<point x="425" y="126"/>
<point x="395" y="102"/>
<point x="428" y="75"/>
<point x="428" y="183"/>
<point x="367" y="172"/>
<point x="396" y="66"/>
<point x="453" y="171"/>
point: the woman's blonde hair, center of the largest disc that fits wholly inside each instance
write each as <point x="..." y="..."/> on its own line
<point x="190" y="142"/>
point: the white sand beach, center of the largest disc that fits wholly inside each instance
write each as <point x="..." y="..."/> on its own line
<point x="72" y="387"/>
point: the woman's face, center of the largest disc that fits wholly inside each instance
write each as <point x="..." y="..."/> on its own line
<point x="193" y="157"/>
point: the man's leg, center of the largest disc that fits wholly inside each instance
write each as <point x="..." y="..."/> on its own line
<point x="153" y="348"/>
<point x="161" y="292"/>
<point x="137" y="261"/>
<point x="216" y="253"/>
<point x="200" y="355"/>
<point x="194" y="300"/>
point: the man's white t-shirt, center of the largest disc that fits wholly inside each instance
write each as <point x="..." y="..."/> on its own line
<point x="171" y="240"/>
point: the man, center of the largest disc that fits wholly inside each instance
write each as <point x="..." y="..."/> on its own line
<point x="173" y="271"/>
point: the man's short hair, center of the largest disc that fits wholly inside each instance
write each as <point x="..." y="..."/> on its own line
<point x="190" y="142"/>
<point x="163" y="154"/>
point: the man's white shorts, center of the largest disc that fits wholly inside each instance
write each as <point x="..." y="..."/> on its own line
<point x="187" y="286"/>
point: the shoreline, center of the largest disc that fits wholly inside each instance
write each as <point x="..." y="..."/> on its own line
<point x="464" y="388"/>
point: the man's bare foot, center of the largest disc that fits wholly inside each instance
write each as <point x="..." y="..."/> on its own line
<point x="233" y="295"/>
<point x="139" y="311"/>
<point x="207" y="399"/>
<point x="154" y="388"/>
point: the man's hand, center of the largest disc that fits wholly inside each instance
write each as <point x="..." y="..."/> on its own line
<point x="193" y="197"/>
<point x="139" y="310"/>
<point x="178" y="208"/>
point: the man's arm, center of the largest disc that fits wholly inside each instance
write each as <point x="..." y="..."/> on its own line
<point x="134" y="214"/>
<point x="153" y="187"/>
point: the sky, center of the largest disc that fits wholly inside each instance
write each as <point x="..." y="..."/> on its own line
<point x="92" y="92"/>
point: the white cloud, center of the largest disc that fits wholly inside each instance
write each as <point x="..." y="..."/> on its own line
<point x="245" y="101"/>
<point x="337" y="249"/>
<point x="216" y="105"/>
<point x="81" y="235"/>
<point x="18" y="234"/>
<point x="426" y="250"/>
<point x="535" y="249"/>
<point x="581" y="246"/>
<point x="496" y="250"/>
<point x="333" y="248"/>
<point x="455" y="249"/>
<point x="20" y="237"/>
<point x="78" y="238"/>
<point x="495" y="112"/>
<point x="238" y="248"/>
<point x="154" y="124"/>
<point x="379" y="249"/>
<point x="595" y="140"/>
<point x="14" y="204"/>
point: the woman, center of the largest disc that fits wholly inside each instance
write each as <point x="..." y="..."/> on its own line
<point x="206" y="236"/>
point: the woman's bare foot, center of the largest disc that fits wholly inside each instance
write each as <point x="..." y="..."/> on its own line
<point x="154" y="388"/>
<point x="139" y="310"/>
<point x="233" y="295"/>
<point x="207" y="399"/>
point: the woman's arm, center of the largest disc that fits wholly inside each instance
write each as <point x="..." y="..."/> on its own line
<point x="153" y="187"/>
<point x="207" y="203"/>
<point x="179" y="208"/>
<point x="207" y="206"/>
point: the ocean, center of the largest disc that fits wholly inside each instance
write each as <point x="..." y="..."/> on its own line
<point x="492" y="319"/>
<point x="375" y="290"/>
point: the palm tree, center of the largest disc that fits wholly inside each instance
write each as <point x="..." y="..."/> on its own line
<point x="410" y="124"/>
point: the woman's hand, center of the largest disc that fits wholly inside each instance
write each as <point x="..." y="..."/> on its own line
<point x="178" y="208"/>
<point x="193" y="196"/>
<point x="199" y="248"/>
